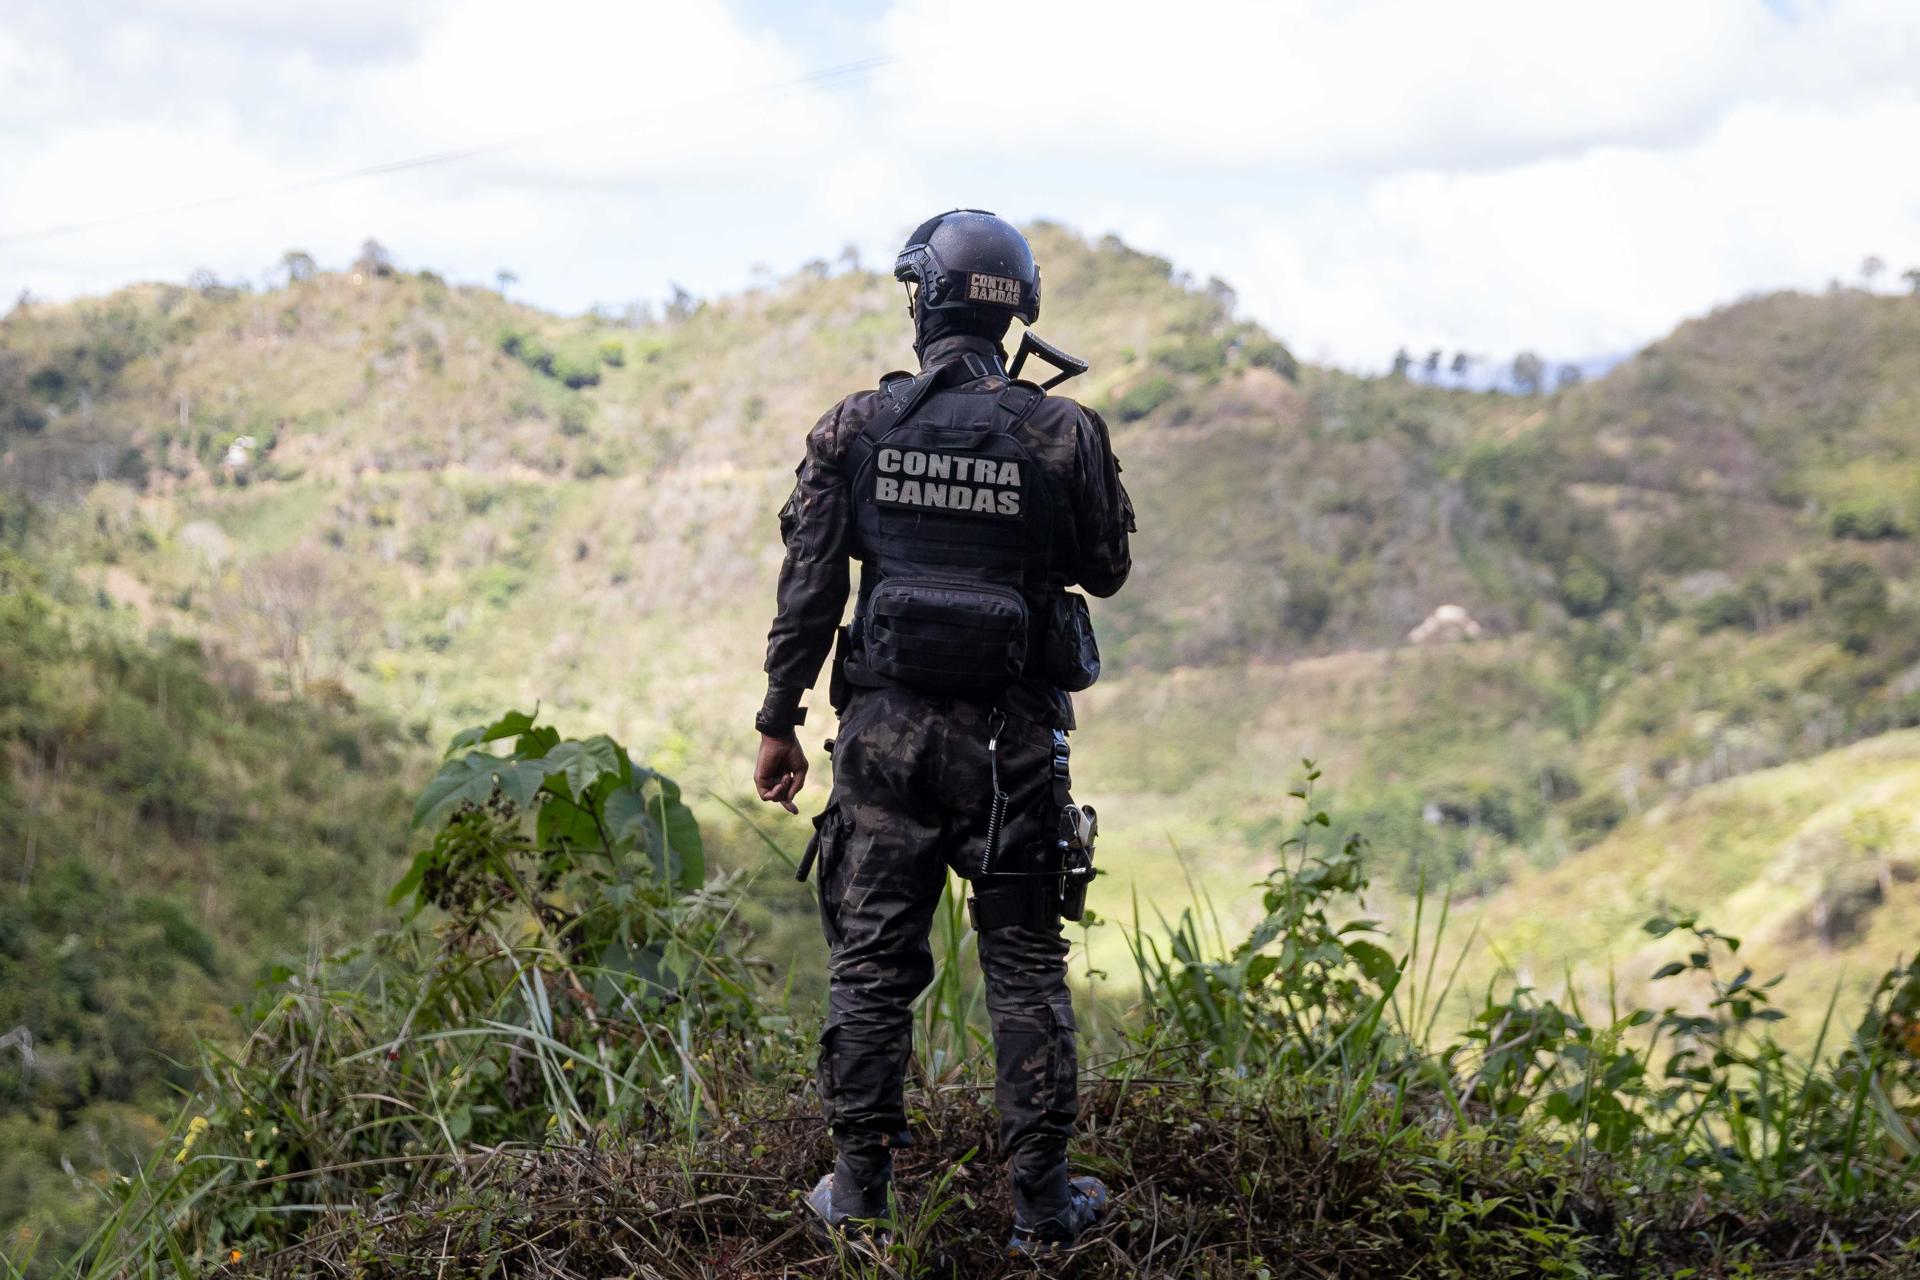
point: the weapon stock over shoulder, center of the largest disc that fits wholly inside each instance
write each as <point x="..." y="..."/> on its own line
<point x="1069" y="366"/>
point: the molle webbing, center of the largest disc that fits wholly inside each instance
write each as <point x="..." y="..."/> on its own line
<point x="941" y="482"/>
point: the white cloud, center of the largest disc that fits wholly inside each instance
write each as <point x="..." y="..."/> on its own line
<point x="1594" y="253"/>
<point x="1572" y="177"/>
<point x="1575" y="178"/>
<point x="1361" y="84"/>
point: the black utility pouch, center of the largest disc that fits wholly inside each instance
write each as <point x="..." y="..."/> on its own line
<point x="1073" y="658"/>
<point x="839" y="691"/>
<point x="945" y="636"/>
<point x="820" y="846"/>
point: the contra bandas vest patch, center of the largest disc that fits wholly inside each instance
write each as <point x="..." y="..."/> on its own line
<point x="937" y="479"/>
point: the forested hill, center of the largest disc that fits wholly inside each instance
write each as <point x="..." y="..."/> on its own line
<point x="1632" y="637"/>
<point x="446" y="502"/>
<point x="441" y="503"/>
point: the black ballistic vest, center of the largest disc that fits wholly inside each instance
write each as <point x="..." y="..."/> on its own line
<point x="954" y="522"/>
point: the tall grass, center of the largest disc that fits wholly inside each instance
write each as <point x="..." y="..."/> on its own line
<point x="573" y="981"/>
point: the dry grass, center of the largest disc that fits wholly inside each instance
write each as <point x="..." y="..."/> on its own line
<point x="1205" y="1184"/>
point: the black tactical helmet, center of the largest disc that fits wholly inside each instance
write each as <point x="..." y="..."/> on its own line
<point x="969" y="260"/>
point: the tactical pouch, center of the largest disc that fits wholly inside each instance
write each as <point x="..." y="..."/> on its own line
<point x="945" y="636"/>
<point x="1072" y="656"/>
<point x="839" y="691"/>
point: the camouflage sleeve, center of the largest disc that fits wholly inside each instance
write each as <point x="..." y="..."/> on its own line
<point x="1102" y="511"/>
<point x="814" y="577"/>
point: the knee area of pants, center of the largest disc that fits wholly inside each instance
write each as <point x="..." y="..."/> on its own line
<point x="1015" y="993"/>
<point x="1022" y="946"/>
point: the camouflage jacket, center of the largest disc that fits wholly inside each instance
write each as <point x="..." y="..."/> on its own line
<point x="817" y="522"/>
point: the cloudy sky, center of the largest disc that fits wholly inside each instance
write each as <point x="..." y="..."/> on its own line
<point x="1481" y="174"/>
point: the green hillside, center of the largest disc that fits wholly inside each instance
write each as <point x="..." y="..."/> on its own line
<point x="169" y="836"/>
<point x="233" y="520"/>
<point x="1697" y="566"/>
<point x="1815" y="865"/>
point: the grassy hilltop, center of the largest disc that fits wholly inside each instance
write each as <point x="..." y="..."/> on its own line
<point x="266" y="546"/>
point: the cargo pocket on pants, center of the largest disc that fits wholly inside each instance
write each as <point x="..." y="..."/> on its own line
<point x="1063" y="1065"/>
<point x="829" y="838"/>
<point x="826" y="1077"/>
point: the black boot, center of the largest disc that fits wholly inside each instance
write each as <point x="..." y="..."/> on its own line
<point x="1057" y="1217"/>
<point x="856" y="1190"/>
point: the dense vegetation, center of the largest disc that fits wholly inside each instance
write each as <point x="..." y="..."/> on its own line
<point x="1694" y="586"/>
<point x="572" y="1071"/>
<point x="168" y="835"/>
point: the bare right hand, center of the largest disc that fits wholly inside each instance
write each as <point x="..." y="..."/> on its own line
<point x="780" y="771"/>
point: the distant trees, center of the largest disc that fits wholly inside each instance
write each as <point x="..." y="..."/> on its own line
<point x="1912" y="276"/>
<point x="505" y="280"/>
<point x="1569" y="375"/>
<point x="1222" y="294"/>
<point x="1870" y="268"/>
<point x="300" y="614"/>
<point x="208" y="285"/>
<point x="374" y="260"/>
<point x="1529" y="373"/>
<point x="1435" y="366"/>
<point x="298" y="265"/>
<point x="681" y="305"/>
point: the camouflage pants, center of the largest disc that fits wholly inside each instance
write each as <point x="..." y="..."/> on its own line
<point x="911" y="791"/>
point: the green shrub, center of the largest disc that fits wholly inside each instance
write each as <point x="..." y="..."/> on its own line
<point x="1725" y="610"/>
<point x="1144" y="397"/>
<point x="1204" y="355"/>
<point x="580" y="969"/>
<point x="1868" y="520"/>
<point x="1309" y="604"/>
<point x="1269" y="353"/>
<point x="1855" y="597"/>
<point x="1585" y="588"/>
<point x="1594" y="815"/>
<point x="574" y="370"/>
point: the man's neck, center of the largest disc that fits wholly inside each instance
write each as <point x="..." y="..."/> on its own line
<point x="955" y="346"/>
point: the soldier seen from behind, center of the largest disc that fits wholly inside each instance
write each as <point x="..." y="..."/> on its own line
<point x="972" y="501"/>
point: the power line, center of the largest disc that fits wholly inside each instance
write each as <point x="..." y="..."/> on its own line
<point x="845" y="74"/>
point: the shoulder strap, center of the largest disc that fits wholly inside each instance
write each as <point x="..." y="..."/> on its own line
<point x="1019" y="399"/>
<point x="902" y="396"/>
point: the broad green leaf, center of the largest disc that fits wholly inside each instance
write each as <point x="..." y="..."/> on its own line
<point x="510" y="725"/>
<point x="1374" y="960"/>
<point x="646" y="813"/>
<point x="411" y="881"/>
<point x="1264" y="932"/>
<point x="582" y="764"/>
<point x="564" y="822"/>
<point x="470" y="778"/>
<point x="520" y="780"/>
